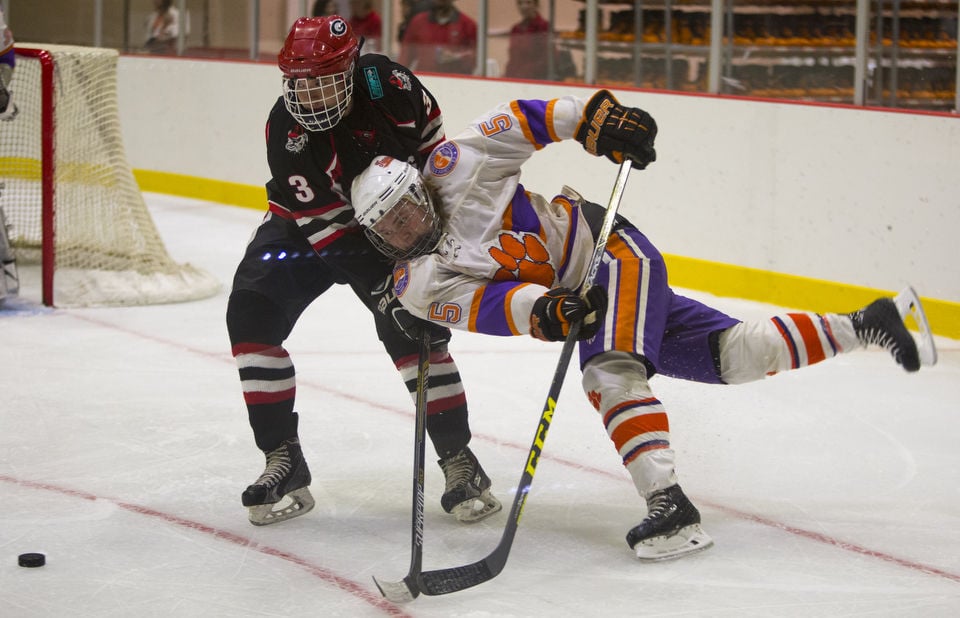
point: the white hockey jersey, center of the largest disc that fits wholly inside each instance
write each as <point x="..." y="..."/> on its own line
<point x="503" y="247"/>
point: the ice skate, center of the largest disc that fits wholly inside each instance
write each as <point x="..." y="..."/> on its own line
<point x="671" y="528"/>
<point x="882" y="323"/>
<point x="282" y="491"/>
<point x="467" y="495"/>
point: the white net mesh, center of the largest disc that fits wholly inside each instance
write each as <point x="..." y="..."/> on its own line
<point x="108" y="250"/>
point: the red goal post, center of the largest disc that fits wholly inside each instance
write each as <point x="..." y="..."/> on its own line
<point x="71" y="202"/>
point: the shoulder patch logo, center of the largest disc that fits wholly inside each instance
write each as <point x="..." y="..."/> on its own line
<point x="401" y="278"/>
<point x="401" y="80"/>
<point x="373" y="82"/>
<point x="444" y="158"/>
<point x="296" y="140"/>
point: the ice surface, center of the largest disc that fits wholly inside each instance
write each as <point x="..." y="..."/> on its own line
<point x="124" y="447"/>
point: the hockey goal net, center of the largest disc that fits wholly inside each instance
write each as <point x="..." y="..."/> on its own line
<point x="70" y="199"/>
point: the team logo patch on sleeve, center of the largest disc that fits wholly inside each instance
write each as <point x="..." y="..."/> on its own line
<point x="444" y="158"/>
<point x="401" y="278"/>
<point x="401" y="80"/>
<point x="373" y="82"/>
<point x="296" y="139"/>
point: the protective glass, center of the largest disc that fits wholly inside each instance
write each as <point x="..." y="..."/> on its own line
<point x="318" y="103"/>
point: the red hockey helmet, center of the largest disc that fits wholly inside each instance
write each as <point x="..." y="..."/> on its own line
<point x="317" y="61"/>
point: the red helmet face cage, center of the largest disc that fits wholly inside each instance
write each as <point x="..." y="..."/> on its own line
<point x="317" y="62"/>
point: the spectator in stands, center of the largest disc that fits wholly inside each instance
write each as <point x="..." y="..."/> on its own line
<point x="442" y="40"/>
<point x="7" y="61"/>
<point x="409" y="8"/>
<point x="366" y="23"/>
<point x="324" y="8"/>
<point x="163" y="27"/>
<point x="529" y="41"/>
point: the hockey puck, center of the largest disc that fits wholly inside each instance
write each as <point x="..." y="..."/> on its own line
<point x="31" y="560"/>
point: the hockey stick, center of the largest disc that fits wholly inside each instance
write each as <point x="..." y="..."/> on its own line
<point x="406" y="589"/>
<point x="445" y="581"/>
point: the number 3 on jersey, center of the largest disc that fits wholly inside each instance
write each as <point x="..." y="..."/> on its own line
<point x="301" y="188"/>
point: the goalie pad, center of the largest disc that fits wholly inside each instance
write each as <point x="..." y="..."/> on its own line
<point x="10" y="281"/>
<point x="7" y="108"/>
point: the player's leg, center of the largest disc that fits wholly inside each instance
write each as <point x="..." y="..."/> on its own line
<point x="467" y="494"/>
<point x="617" y="364"/>
<point x="267" y="298"/>
<point x="758" y="348"/>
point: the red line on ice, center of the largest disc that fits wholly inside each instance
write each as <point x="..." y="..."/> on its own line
<point x="347" y="585"/>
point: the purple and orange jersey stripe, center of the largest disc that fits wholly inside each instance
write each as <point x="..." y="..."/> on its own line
<point x="520" y="215"/>
<point x="536" y="121"/>
<point x="490" y="310"/>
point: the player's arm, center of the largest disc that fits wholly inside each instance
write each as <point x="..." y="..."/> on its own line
<point x="503" y="308"/>
<point x="604" y="127"/>
<point x="462" y="302"/>
<point x="423" y="109"/>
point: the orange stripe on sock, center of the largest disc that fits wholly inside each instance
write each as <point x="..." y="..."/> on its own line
<point x="639" y="425"/>
<point x="810" y="336"/>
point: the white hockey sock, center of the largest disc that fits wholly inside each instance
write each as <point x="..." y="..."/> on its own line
<point x="616" y="384"/>
<point x="752" y="350"/>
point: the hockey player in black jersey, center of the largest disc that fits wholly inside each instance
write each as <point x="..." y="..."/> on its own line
<point x="337" y="112"/>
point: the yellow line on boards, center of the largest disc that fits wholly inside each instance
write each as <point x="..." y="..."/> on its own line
<point x="712" y="277"/>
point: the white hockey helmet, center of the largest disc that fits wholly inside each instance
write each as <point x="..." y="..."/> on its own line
<point x="395" y="209"/>
<point x="317" y="61"/>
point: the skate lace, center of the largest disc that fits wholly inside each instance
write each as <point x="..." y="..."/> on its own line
<point x="659" y="506"/>
<point x="458" y="470"/>
<point x="278" y="466"/>
<point x="876" y="335"/>
<point x="881" y="338"/>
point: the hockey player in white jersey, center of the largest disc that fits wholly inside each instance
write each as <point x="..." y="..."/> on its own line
<point x="477" y="251"/>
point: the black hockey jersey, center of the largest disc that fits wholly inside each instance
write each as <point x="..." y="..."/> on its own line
<point x="392" y="114"/>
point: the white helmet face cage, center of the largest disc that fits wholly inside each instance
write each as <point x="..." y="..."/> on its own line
<point x="318" y="103"/>
<point x="396" y="209"/>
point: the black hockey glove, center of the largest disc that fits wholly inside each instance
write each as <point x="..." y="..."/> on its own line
<point x="405" y="322"/>
<point x="555" y="311"/>
<point x="616" y="132"/>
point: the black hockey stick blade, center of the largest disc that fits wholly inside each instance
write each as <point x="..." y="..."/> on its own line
<point x="407" y="589"/>
<point x="454" y="579"/>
